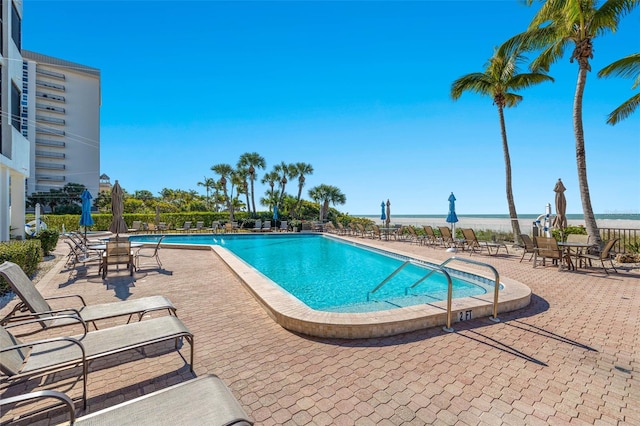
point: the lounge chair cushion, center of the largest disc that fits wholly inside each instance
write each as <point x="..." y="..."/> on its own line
<point x="100" y="342"/>
<point x="205" y="400"/>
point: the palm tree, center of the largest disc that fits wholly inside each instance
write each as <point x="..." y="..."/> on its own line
<point x="208" y="184"/>
<point x="499" y="79"/>
<point x="558" y="24"/>
<point x="325" y="194"/>
<point x="301" y="170"/>
<point x="225" y="171"/>
<point x="270" y="179"/>
<point x="628" y="66"/>
<point x="286" y="172"/>
<point x="252" y="161"/>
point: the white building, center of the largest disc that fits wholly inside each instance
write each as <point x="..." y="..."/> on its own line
<point x="14" y="148"/>
<point x="62" y="123"/>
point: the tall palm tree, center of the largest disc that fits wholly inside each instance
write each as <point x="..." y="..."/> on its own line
<point x="301" y="170"/>
<point x="286" y="172"/>
<point x="324" y="195"/>
<point x="252" y="161"/>
<point x="557" y="25"/>
<point x="627" y="67"/>
<point x="208" y="184"/>
<point x="225" y="171"/>
<point x="499" y="79"/>
<point x="270" y="179"/>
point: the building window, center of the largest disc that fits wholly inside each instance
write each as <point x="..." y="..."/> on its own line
<point x="16" y="27"/>
<point x="15" y="107"/>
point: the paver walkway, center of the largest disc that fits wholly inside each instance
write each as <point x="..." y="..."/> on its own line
<point x="571" y="357"/>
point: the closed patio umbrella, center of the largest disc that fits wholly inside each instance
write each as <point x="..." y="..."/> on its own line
<point x="118" y="225"/>
<point x="388" y="220"/>
<point x="383" y="216"/>
<point x="275" y="216"/>
<point x="560" y="221"/>
<point x="452" y="218"/>
<point x="85" y="218"/>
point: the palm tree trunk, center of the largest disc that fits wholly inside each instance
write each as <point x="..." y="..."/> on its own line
<point x="253" y="198"/>
<point x="581" y="159"/>
<point x="515" y="225"/>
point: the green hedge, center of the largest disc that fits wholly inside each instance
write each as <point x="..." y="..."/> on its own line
<point x="27" y="254"/>
<point x="102" y="221"/>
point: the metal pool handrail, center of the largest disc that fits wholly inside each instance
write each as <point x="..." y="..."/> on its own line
<point x="496" y="285"/>
<point x="386" y="280"/>
<point x="440" y="268"/>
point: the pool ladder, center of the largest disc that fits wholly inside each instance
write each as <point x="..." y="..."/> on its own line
<point x="440" y="268"/>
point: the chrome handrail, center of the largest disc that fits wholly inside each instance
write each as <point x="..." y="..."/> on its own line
<point x="393" y="274"/>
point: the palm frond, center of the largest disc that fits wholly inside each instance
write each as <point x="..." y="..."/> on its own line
<point x="475" y="82"/>
<point x="512" y="99"/>
<point x="627" y="67"/>
<point x="624" y="110"/>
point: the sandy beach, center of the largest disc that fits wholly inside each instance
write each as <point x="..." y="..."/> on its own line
<point x="502" y="224"/>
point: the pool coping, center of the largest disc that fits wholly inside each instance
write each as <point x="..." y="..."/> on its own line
<point x="293" y="315"/>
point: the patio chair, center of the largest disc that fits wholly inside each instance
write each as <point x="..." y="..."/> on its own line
<point x="446" y="239"/>
<point x="266" y="226"/>
<point x="199" y="226"/>
<point x="430" y="236"/>
<point x="117" y="253"/>
<point x="605" y="254"/>
<point x="547" y="248"/>
<point x="21" y="361"/>
<point x="149" y="253"/>
<point x="33" y="301"/>
<point x="79" y="254"/>
<point x="202" y="400"/>
<point x="136" y="226"/>
<point x="186" y="227"/>
<point x="284" y="226"/>
<point x="528" y="247"/>
<point x="257" y="226"/>
<point x="413" y="235"/>
<point x="215" y="225"/>
<point x="472" y="243"/>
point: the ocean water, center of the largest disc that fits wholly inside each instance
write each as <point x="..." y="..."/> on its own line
<point x="502" y="222"/>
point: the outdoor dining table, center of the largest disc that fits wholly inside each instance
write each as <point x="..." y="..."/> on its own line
<point x="578" y="249"/>
<point x="103" y="247"/>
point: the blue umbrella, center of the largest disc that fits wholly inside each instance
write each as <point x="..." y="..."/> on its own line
<point x="85" y="217"/>
<point x="451" y="217"/>
<point x="275" y="215"/>
<point x="383" y="216"/>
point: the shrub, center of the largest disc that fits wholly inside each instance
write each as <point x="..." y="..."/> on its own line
<point x="48" y="239"/>
<point x="26" y="254"/>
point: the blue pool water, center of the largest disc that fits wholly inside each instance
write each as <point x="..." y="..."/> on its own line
<point x="330" y="275"/>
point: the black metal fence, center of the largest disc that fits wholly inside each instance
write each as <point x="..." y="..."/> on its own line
<point x="627" y="237"/>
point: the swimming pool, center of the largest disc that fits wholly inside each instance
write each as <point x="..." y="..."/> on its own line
<point x="331" y="275"/>
<point x="292" y="314"/>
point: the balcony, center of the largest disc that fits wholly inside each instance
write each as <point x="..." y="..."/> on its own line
<point x="49" y="166"/>
<point x="49" y="85"/>
<point x="49" y="73"/>
<point x="51" y="120"/>
<point x="50" y="108"/>
<point x="49" y="142"/>
<point x="49" y="131"/>
<point x="49" y="154"/>
<point x="50" y="97"/>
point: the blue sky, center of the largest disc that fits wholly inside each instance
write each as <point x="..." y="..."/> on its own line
<point x="359" y="90"/>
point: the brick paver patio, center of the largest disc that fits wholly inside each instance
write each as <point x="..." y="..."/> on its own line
<point x="571" y="357"/>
